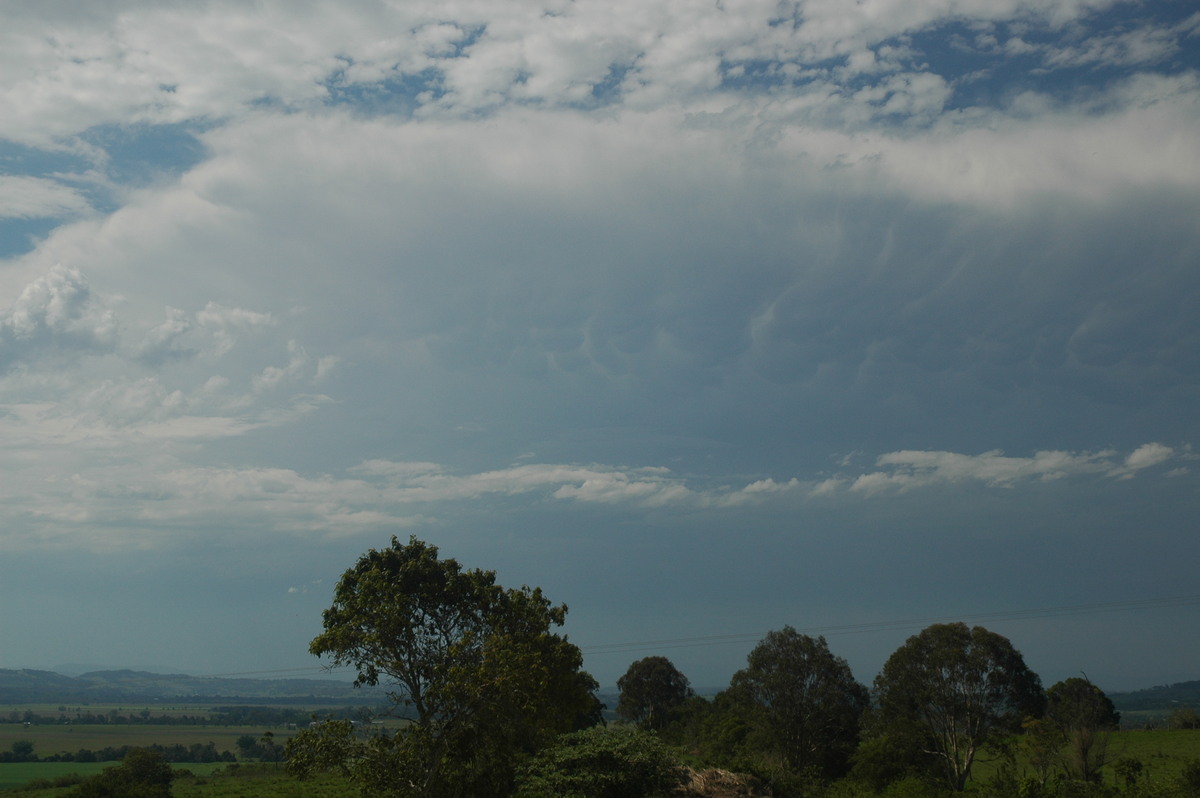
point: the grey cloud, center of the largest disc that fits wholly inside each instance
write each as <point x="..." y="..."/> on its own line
<point x="165" y="342"/>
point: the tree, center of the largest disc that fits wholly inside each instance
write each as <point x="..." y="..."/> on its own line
<point x="22" y="751"/>
<point x="651" y="689"/>
<point x="808" y="700"/>
<point x="1082" y="714"/>
<point x="960" y="686"/>
<point x="477" y="664"/>
<point x="143" y="773"/>
<point x="1183" y="718"/>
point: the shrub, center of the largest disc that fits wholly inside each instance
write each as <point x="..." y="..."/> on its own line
<point x="601" y="762"/>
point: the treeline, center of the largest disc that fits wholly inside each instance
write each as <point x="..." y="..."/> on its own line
<point x="239" y="715"/>
<point x="1166" y="697"/>
<point x="797" y="720"/>
<point x="22" y="751"/>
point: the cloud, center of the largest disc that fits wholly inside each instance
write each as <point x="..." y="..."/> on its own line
<point x="55" y="317"/>
<point x="172" y="497"/>
<point x="25" y="197"/>
<point x="134" y="64"/>
<point x="909" y="470"/>
<point x="1145" y="44"/>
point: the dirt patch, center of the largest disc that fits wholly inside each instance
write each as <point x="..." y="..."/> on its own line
<point x="722" y="784"/>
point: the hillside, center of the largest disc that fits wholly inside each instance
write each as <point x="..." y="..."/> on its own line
<point x="1164" y="697"/>
<point x="27" y="686"/>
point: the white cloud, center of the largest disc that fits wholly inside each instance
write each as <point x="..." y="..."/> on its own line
<point x="909" y="470"/>
<point x="55" y="316"/>
<point x="1143" y="45"/>
<point x="24" y="197"/>
<point x="168" y="495"/>
<point x="1147" y="455"/>
<point x="130" y="63"/>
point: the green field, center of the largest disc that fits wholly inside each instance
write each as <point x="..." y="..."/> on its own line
<point x="17" y="774"/>
<point x="1162" y="753"/>
<point x="205" y="781"/>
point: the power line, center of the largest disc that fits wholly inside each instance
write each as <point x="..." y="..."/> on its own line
<point x="831" y="630"/>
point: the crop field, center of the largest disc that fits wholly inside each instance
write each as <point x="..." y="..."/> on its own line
<point x="49" y="740"/>
<point x="13" y="712"/>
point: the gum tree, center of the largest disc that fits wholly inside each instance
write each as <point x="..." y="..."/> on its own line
<point x="651" y="689"/>
<point x="807" y="699"/>
<point x="1082" y="715"/>
<point x="958" y="687"/>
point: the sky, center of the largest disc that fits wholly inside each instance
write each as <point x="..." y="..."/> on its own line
<point x="706" y="317"/>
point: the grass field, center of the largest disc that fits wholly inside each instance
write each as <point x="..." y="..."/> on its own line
<point x="1162" y="753"/>
<point x="212" y="781"/>
<point x="17" y="774"/>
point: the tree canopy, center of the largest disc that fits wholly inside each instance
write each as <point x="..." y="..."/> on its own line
<point x="1081" y="714"/>
<point x="807" y="698"/>
<point x="477" y="664"/>
<point x="958" y="686"/>
<point x="651" y="689"/>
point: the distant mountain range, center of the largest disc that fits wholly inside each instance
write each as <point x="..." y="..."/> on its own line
<point x="29" y="686"/>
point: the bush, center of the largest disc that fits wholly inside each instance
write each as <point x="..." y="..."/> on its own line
<point x="1189" y="779"/>
<point x="619" y="762"/>
<point x="142" y="774"/>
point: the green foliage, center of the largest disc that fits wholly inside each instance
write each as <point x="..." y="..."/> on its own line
<point x="805" y="699"/>
<point x="1184" y="718"/>
<point x="142" y="774"/>
<point x="893" y="752"/>
<point x="1189" y="779"/>
<point x="962" y="686"/>
<point x="478" y="664"/>
<point x="1129" y="770"/>
<point x="1083" y="715"/>
<point x="22" y="751"/>
<point x="652" y="689"/>
<point x="616" y="762"/>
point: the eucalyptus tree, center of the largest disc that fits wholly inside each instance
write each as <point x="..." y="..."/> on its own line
<point x="959" y="687"/>
<point x="651" y="689"/>
<point x="807" y="699"/>
<point x="1082" y="715"/>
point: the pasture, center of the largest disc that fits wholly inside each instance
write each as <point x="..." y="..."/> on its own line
<point x="1163" y="755"/>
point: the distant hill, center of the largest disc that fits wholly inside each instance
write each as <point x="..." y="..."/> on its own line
<point x="1166" y="697"/>
<point x="28" y="686"/>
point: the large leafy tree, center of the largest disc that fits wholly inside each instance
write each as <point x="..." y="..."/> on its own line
<point x="807" y="699"/>
<point x="477" y="666"/>
<point x="651" y="690"/>
<point x="957" y="686"/>
<point x="1082" y="715"/>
